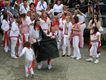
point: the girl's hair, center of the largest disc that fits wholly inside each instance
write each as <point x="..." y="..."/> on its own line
<point x="23" y="15"/>
<point x="18" y="21"/>
<point x="76" y="19"/>
<point x="50" y="5"/>
<point x="31" y="4"/>
<point x="35" y="23"/>
<point x="5" y="16"/>
<point x="42" y="15"/>
<point x="95" y="29"/>
<point x="27" y="44"/>
<point x="97" y="17"/>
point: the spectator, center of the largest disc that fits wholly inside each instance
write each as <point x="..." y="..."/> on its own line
<point x="58" y="8"/>
<point x="42" y="5"/>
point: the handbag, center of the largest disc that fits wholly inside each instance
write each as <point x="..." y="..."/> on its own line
<point x="101" y="29"/>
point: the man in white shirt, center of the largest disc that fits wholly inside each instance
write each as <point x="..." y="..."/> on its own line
<point x="42" y="5"/>
<point x="24" y="8"/>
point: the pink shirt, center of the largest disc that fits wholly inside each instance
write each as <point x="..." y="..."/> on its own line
<point x="24" y="27"/>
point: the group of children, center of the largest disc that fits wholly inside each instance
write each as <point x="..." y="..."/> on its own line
<point x="20" y="33"/>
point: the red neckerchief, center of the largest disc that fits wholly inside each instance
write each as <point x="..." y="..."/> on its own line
<point x="63" y="18"/>
<point x="29" y="12"/>
<point x="55" y="23"/>
<point x="53" y="33"/>
<point x="27" y="47"/>
<point x="38" y="27"/>
<point x="32" y="9"/>
<point x="45" y="19"/>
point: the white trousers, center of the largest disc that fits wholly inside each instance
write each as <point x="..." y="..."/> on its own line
<point x="28" y="64"/>
<point x="93" y="49"/>
<point x="76" y="50"/>
<point x="26" y="37"/>
<point x="13" y="47"/>
<point x="66" y="44"/>
<point x="83" y="26"/>
<point x="60" y="39"/>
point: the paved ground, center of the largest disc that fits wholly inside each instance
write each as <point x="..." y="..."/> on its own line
<point x="63" y="68"/>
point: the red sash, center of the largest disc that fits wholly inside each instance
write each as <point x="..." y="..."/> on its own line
<point x="31" y="67"/>
<point x="6" y="37"/>
<point x="24" y="38"/>
<point x="82" y="23"/>
<point x="79" y="35"/>
<point x="45" y="19"/>
<point x="66" y="30"/>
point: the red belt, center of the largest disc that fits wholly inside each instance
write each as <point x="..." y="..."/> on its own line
<point x="82" y="23"/>
<point x="60" y="29"/>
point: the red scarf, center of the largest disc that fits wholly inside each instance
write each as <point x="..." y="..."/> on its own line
<point x="31" y="67"/>
<point x="6" y="37"/>
<point x="27" y="47"/>
<point x="63" y="18"/>
<point x="45" y="19"/>
<point x="79" y="35"/>
<point x="24" y="38"/>
<point x="37" y="27"/>
<point x="36" y="2"/>
<point x="53" y="33"/>
<point x="55" y="23"/>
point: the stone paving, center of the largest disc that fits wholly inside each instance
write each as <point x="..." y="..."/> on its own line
<point x="64" y="68"/>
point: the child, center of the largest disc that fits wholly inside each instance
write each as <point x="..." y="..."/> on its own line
<point x="55" y="23"/>
<point x="15" y="40"/>
<point x="76" y="38"/>
<point x="53" y="33"/>
<point x="66" y="36"/>
<point x="29" y="59"/>
<point x="6" y="29"/>
<point x="95" y="45"/>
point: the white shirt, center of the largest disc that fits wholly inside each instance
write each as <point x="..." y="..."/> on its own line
<point x="23" y="9"/>
<point x="58" y="8"/>
<point x="5" y="25"/>
<point x="41" y="6"/>
<point x="14" y="30"/>
<point x="50" y="11"/>
<point x="93" y="37"/>
<point x="62" y="23"/>
<point x="81" y="18"/>
<point x="67" y="29"/>
<point x="43" y="24"/>
<point x="29" y="54"/>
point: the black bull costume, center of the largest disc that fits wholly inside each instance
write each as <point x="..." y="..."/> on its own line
<point x="46" y="48"/>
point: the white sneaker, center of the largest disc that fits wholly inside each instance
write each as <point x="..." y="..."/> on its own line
<point x="89" y="60"/>
<point x="49" y="67"/>
<point x="14" y="57"/>
<point x="73" y="57"/>
<point x="39" y="66"/>
<point x="96" y="61"/>
<point x="78" y="58"/>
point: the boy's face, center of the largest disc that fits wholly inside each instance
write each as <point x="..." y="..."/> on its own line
<point x="25" y="2"/>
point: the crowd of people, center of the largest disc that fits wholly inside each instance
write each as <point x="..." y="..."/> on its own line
<point x="21" y="23"/>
